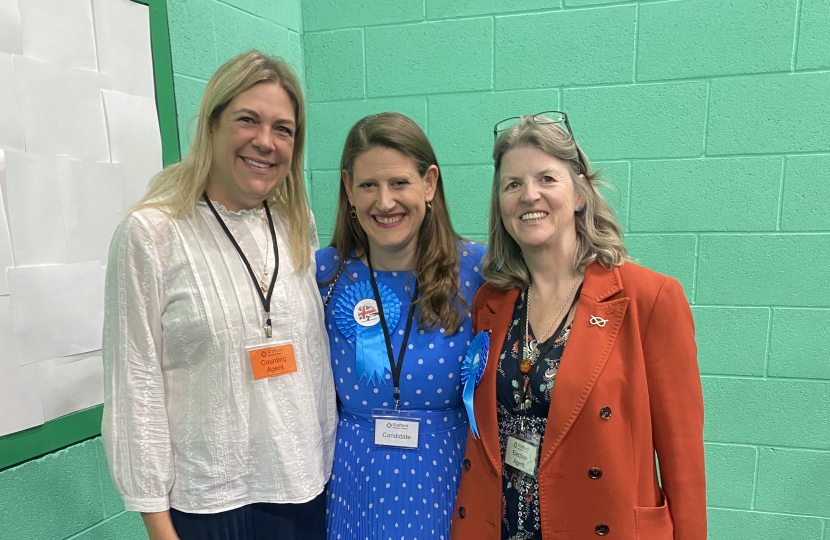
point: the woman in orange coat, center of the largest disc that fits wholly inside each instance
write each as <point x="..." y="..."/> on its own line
<point x="592" y="366"/>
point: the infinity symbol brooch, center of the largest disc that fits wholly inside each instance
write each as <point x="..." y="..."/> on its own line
<point x="598" y="321"/>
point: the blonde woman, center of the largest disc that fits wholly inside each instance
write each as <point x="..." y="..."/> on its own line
<point x="219" y="410"/>
<point x="592" y="366"/>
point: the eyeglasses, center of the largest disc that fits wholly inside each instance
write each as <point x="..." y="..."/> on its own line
<point x="547" y="117"/>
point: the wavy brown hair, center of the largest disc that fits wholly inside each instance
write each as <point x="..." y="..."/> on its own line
<point x="599" y="236"/>
<point x="437" y="263"/>
<point x="177" y="188"/>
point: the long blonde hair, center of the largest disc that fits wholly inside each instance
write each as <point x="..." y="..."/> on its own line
<point x="437" y="264"/>
<point x="177" y="188"/>
<point x="598" y="234"/>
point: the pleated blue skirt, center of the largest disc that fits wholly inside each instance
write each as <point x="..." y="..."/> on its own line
<point x="260" y="521"/>
<point x="386" y="493"/>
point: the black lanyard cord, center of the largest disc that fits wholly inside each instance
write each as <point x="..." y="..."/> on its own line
<point x="394" y="367"/>
<point x="265" y="299"/>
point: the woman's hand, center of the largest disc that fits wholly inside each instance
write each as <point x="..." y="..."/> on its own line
<point x="159" y="526"/>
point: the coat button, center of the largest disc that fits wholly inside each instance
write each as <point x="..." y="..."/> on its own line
<point x="462" y="512"/>
<point x="602" y="529"/>
<point x="466" y="464"/>
<point x="605" y="413"/>
<point x="594" y="473"/>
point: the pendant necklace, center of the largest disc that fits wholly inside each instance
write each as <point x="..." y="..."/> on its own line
<point x="531" y="346"/>
<point x="262" y="282"/>
<point x="264" y="293"/>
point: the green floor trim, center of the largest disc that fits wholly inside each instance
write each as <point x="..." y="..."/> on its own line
<point x="53" y="435"/>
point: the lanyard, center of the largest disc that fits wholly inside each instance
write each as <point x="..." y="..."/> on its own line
<point x="544" y="350"/>
<point x="265" y="299"/>
<point x="395" y="368"/>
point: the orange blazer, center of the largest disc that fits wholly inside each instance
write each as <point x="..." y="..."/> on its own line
<point x="624" y="390"/>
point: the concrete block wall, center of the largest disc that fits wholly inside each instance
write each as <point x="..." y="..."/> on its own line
<point x="67" y="494"/>
<point x="709" y="120"/>
<point x="206" y="33"/>
<point x="711" y="123"/>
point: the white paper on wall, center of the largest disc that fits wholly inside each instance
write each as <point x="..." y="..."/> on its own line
<point x="135" y="140"/>
<point x="50" y="124"/>
<point x="60" y="32"/>
<point x="20" y="405"/>
<point x="125" y="58"/>
<point x="60" y="196"/>
<point x="3" y="185"/>
<point x="58" y="310"/>
<point x="136" y="181"/>
<point x="6" y="257"/>
<point x="11" y="121"/>
<point x="70" y="384"/>
<point x="11" y="39"/>
<point x="92" y="196"/>
<point x="34" y="209"/>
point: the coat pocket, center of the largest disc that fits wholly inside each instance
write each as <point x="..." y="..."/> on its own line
<point x="654" y="522"/>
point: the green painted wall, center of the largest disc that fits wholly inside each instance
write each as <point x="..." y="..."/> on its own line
<point x="710" y="120"/>
<point x="67" y="494"/>
<point x="206" y="33"/>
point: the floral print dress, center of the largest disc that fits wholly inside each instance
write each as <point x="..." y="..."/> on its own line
<point x="520" y="503"/>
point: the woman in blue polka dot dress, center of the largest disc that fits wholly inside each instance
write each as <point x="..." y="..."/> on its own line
<point x="395" y="474"/>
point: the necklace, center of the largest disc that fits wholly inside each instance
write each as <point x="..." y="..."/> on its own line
<point x="530" y="350"/>
<point x="264" y="280"/>
<point x="264" y="296"/>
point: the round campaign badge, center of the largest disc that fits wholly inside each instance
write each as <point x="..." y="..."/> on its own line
<point x="356" y="308"/>
<point x="366" y="312"/>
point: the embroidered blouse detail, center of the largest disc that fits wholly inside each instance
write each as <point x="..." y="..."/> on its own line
<point x="185" y="425"/>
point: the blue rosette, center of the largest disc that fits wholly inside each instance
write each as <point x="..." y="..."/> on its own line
<point x="358" y="318"/>
<point x="472" y="369"/>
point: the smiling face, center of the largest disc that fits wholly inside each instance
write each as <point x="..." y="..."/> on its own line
<point x="252" y="145"/>
<point x="537" y="199"/>
<point x="389" y="197"/>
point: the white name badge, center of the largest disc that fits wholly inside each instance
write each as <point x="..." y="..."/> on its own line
<point x="521" y="455"/>
<point x="396" y="432"/>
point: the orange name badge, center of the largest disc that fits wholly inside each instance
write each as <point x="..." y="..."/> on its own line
<point x="273" y="360"/>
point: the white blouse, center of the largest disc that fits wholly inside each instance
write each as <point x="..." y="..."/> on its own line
<point x="185" y="423"/>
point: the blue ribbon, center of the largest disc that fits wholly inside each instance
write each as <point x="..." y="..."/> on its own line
<point x="472" y="369"/>
<point x="369" y="357"/>
<point x="370" y="349"/>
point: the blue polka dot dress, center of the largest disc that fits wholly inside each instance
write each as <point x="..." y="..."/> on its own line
<point x="388" y="493"/>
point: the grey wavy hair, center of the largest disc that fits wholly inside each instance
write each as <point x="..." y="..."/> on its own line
<point x="599" y="237"/>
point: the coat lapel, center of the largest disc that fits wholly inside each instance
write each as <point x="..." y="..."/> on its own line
<point x="589" y="345"/>
<point x="495" y="317"/>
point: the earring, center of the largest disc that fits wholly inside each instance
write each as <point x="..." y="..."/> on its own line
<point x="580" y="208"/>
<point x="354" y="214"/>
<point x="429" y="207"/>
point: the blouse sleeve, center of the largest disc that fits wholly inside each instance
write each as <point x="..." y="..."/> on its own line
<point x="135" y="430"/>
<point x="677" y="409"/>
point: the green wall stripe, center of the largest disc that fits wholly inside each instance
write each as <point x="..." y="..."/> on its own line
<point x="53" y="435"/>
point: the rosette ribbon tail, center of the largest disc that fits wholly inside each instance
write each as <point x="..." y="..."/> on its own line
<point x="369" y="349"/>
<point x="356" y="314"/>
<point x="467" y="396"/>
<point x="472" y="369"/>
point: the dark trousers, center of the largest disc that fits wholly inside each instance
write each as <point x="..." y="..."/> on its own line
<point x="260" y="521"/>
